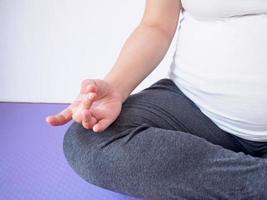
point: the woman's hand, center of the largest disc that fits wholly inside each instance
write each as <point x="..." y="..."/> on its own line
<point x="96" y="107"/>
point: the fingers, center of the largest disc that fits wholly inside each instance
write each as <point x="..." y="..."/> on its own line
<point x="66" y="115"/>
<point x="88" y="90"/>
<point x="101" y="125"/>
<point x="62" y="118"/>
<point x="88" y="101"/>
<point x="91" y="88"/>
<point x="88" y="85"/>
<point x="82" y="114"/>
<point x="88" y="121"/>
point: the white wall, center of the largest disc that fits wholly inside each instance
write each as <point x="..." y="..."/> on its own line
<point x="47" y="47"/>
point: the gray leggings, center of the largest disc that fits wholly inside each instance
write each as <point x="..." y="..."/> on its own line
<point x="163" y="147"/>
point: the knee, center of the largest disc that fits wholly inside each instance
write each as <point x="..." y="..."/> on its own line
<point x="91" y="154"/>
<point x="80" y="148"/>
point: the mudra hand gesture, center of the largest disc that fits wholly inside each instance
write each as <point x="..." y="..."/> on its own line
<point x="96" y="107"/>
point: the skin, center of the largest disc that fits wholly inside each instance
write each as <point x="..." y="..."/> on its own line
<point x="99" y="101"/>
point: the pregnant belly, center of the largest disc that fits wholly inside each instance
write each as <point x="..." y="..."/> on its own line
<point x="221" y="65"/>
<point x="224" y="63"/>
<point x="238" y="99"/>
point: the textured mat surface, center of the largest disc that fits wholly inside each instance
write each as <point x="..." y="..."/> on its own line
<point x="32" y="164"/>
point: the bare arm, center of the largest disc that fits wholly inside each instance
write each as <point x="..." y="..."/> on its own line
<point x="146" y="46"/>
<point x="99" y="102"/>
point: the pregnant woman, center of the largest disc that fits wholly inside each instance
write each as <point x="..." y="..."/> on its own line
<point x="201" y="132"/>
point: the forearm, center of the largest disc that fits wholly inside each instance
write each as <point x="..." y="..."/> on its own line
<point x="140" y="55"/>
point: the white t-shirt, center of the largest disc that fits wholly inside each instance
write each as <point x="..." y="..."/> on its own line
<point x="220" y="63"/>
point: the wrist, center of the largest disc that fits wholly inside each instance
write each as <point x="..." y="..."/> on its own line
<point x="117" y="87"/>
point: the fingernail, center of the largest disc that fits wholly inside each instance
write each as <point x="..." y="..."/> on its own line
<point x="94" y="129"/>
<point x="90" y="96"/>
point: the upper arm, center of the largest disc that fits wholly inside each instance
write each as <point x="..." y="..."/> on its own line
<point x="163" y="14"/>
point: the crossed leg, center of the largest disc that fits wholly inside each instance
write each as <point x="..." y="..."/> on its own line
<point x="162" y="147"/>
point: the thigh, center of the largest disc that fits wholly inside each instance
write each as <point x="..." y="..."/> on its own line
<point x="263" y="151"/>
<point x="146" y="161"/>
<point x="164" y="106"/>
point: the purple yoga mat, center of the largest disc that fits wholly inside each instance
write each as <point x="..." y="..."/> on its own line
<point x="32" y="163"/>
